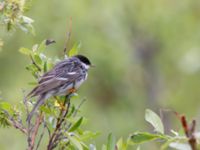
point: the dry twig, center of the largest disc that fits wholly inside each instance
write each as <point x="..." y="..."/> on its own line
<point x="68" y="36"/>
<point x="189" y="131"/>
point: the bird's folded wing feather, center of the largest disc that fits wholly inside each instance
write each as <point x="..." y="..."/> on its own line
<point x="65" y="72"/>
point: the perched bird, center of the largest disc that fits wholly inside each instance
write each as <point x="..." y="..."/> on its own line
<point x="65" y="78"/>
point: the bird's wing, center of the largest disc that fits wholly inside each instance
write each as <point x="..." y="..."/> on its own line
<point x="65" y="72"/>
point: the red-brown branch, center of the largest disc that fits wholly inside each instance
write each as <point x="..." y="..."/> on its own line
<point x="189" y="131"/>
<point x="35" y="131"/>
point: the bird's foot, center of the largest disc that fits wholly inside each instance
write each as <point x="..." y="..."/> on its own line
<point x="72" y="90"/>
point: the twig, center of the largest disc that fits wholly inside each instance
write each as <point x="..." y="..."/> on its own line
<point x="18" y="125"/>
<point x="189" y="131"/>
<point x="68" y="36"/>
<point x="59" y="136"/>
<point x="31" y="140"/>
<point x="79" y="106"/>
<point x="41" y="136"/>
<point x="60" y="119"/>
<point x="48" y="130"/>
<point x="35" y="64"/>
<point x="62" y="123"/>
<point x="25" y="103"/>
<point x="192" y="139"/>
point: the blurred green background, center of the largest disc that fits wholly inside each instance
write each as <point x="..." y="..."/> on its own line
<point x="147" y="55"/>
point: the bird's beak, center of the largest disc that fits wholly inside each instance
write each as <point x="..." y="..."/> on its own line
<point x="92" y="66"/>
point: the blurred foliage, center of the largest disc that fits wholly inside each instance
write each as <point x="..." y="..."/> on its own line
<point x="146" y="54"/>
<point x="11" y="15"/>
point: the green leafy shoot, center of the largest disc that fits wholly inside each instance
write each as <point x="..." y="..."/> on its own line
<point x="25" y="51"/>
<point x="154" y="120"/>
<point x="141" y="137"/>
<point x="75" y="49"/>
<point x="111" y="142"/>
<point x="76" y="124"/>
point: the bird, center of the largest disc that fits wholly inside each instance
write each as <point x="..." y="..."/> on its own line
<point x="63" y="79"/>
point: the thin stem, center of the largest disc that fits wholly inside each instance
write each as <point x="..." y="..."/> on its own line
<point x="32" y="136"/>
<point x="35" y="64"/>
<point x="60" y="120"/>
<point x="68" y="36"/>
<point x="18" y="125"/>
<point x="41" y="136"/>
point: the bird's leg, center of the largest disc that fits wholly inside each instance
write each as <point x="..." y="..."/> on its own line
<point x="72" y="90"/>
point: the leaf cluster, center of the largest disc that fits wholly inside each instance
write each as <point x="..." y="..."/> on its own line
<point x="12" y="15"/>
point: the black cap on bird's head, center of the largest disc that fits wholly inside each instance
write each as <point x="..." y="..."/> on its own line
<point x="83" y="59"/>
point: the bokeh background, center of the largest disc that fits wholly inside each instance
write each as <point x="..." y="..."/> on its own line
<point x="147" y="55"/>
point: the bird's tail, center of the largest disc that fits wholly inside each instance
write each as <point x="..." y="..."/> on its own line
<point x="36" y="106"/>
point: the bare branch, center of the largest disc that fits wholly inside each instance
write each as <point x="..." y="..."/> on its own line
<point x="25" y="103"/>
<point x="41" y="136"/>
<point x="18" y="125"/>
<point x="33" y="133"/>
<point x="15" y="123"/>
<point x="189" y="131"/>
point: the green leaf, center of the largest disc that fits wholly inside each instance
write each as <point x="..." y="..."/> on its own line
<point x="25" y="51"/>
<point x="76" y="125"/>
<point x="75" y="49"/>
<point x="141" y="137"/>
<point x="121" y="145"/>
<point x="154" y="120"/>
<point x="72" y="109"/>
<point x="87" y="135"/>
<point x="42" y="46"/>
<point x="33" y="83"/>
<point x="46" y="110"/>
<point x="111" y="142"/>
<point x="9" y="26"/>
<point x="32" y="68"/>
<point x="37" y="59"/>
<point x="4" y="121"/>
<point x="5" y="105"/>
<point x="75" y="142"/>
<point x="45" y="66"/>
